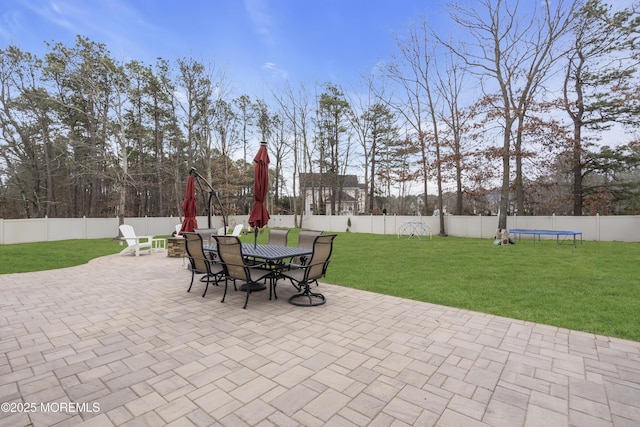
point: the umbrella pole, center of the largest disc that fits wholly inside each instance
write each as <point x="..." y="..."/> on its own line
<point x="255" y="236"/>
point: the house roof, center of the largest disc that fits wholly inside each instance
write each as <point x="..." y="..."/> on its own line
<point x="316" y="180"/>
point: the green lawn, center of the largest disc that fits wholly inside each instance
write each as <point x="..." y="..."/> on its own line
<point x="594" y="287"/>
<point x="51" y="255"/>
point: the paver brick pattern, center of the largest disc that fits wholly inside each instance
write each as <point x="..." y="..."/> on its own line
<point x="120" y="342"/>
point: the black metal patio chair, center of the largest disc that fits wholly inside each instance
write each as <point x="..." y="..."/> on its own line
<point x="229" y="249"/>
<point x="305" y="240"/>
<point x="301" y="276"/>
<point x="278" y="237"/>
<point x="200" y="263"/>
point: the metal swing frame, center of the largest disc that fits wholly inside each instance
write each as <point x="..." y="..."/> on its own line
<point x="212" y="193"/>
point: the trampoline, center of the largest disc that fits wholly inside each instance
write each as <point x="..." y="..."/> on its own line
<point x="558" y="233"/>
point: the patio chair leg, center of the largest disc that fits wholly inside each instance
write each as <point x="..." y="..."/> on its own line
<point x="246" y="300"/>
<point x="313" y="297"/>
<point x="192" y="277"/>
<point x="206" y="288"/>
<point x="216" y="280"/>
<point x="273" y="281"/>
<point x="226" y="283"/>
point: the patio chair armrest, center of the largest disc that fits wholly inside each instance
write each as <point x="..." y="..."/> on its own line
<point x="314" y="264"/>
<point x="303" y="266"/>
<point x="293" y="265"/>
<point x="257" y="265"/>
<point x="251" y="266"/>
<point x="205" y="259"/>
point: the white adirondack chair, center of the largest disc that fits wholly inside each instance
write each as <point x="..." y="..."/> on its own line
<point x="237" y="230"/>
<point x="134" y="243"/>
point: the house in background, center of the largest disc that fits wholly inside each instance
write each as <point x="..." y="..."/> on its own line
<point x="315" y="190"/>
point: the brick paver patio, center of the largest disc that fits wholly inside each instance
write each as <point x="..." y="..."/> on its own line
<point x="120" y="342"/>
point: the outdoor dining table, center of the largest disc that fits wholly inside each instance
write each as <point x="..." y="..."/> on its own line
<point x="269" y="253"/>
<point x="272" y="255"/>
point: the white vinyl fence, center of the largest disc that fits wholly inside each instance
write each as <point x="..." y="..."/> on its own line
<point x="605" y="228"/>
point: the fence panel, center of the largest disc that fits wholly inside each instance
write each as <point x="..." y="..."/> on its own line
<point x="606" y="228"/>
<point x="24" y="230"/>
<point x="618" y="228"/>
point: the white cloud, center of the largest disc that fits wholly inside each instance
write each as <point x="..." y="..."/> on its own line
<point x="57" y="13"/>
<point x="274" y="70"/>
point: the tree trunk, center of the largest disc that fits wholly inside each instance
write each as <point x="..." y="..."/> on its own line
<point x="577" y="170"/>
<point x="504" y="195"/>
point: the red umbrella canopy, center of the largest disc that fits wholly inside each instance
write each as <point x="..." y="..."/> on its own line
<point x="259" y="216"/>
<point x="189" y="208"/>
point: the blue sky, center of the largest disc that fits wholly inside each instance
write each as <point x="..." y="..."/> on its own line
<point x="258" y="42"/>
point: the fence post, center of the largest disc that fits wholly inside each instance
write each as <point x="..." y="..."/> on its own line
<point x="384" y="223"/>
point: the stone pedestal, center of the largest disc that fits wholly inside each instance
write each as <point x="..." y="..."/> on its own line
<point x="175" y="247"/>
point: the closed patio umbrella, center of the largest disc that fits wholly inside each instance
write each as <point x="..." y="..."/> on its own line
<point x="189" y="208"/>
<point x="259" y="216"/>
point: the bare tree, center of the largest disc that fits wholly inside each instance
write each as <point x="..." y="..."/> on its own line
<point x="417" y="54"/>
<point x="280" y="148"/>
<point x="411" y="107"/>
<point x="450" y="83"/>
<point x="511" y="50"/>
<point x="296" y="110"/>
<point x="359" y="117"/>
<point x="246" y="117"/>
